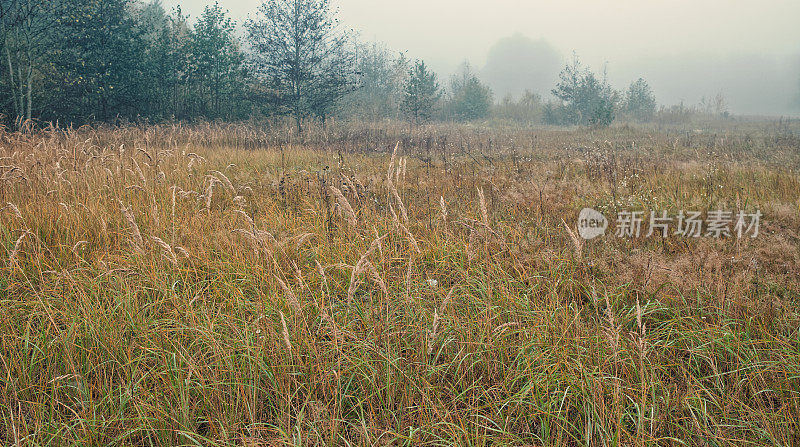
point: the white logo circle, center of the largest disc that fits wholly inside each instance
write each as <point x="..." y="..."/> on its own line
<point x="591" y="223"/>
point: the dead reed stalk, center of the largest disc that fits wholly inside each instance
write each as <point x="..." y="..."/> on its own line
<point x="136" y="235"/>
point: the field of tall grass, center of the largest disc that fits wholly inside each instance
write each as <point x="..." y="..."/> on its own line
<point x="379" y="285"/>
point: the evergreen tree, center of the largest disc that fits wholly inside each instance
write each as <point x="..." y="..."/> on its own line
<point x="100" y="62"/>
<point x="421" y="93"/>
<point x="585" y="99"/>
<point x="301" y="57"/>
<point x="640" y="103"/>
<point x="470" y="98"/>
<point x="164" y="59"/>
<point x="215" y="63"/>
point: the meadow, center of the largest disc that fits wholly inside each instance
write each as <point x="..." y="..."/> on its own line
<point x="375" y="284"/>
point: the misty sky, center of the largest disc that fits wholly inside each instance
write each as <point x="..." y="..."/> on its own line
<point x="749" y="50"/>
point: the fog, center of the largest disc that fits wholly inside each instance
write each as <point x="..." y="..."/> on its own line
<point x="747" y="50"/>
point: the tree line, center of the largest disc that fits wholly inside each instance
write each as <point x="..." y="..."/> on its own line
<point x="81" y="61"/>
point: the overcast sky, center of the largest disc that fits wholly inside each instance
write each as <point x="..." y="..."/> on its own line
<point x="623" y="33"/>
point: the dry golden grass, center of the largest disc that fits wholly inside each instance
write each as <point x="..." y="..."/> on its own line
<point x="229" y="285"/>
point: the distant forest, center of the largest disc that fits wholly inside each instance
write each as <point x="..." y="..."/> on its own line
<point x="81" y="61"/>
